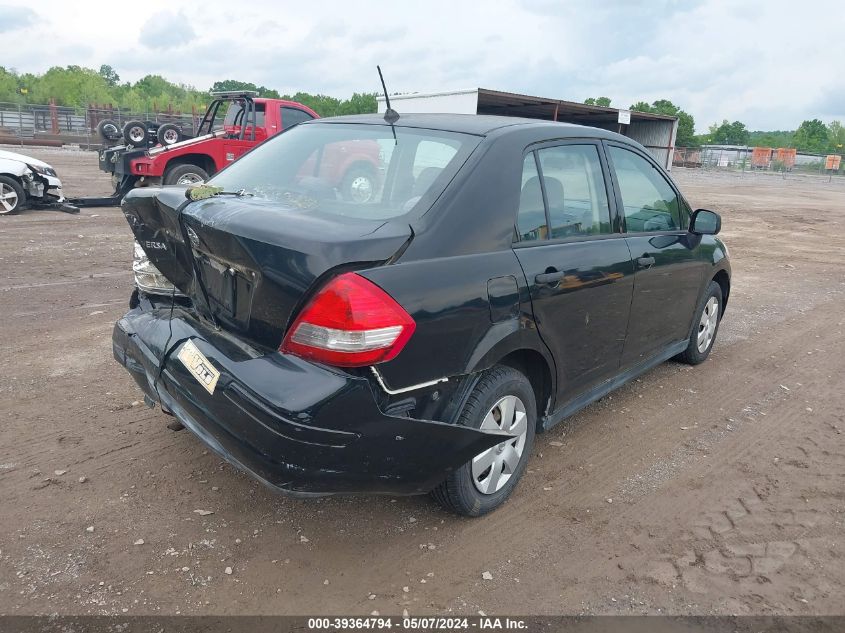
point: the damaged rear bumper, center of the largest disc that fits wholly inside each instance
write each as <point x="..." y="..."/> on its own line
<point x="301" y="428"/>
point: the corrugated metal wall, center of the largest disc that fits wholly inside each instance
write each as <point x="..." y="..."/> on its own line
<point x="657" y="136"/>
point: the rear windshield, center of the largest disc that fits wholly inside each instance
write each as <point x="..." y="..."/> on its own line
<point x="351" y="169"/>
<point x="237" y="111"/>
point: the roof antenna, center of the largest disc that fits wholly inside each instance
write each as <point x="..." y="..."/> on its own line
<point x="390" y="115"/>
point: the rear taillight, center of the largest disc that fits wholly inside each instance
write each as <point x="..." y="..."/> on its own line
<point x="351" y="322"/>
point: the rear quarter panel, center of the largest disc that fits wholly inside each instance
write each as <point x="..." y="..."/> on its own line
<point x="456" y="331"/>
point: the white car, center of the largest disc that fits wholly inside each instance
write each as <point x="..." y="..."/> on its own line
<point x="26" y="181"/>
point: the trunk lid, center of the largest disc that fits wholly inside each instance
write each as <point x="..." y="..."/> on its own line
<point x="248" y="264"/>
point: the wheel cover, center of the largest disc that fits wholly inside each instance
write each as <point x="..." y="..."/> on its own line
<point x="492" y="469"/>
<point x="170" y="136"/>
<point x="707" y="324"/>
<point x="136" y="133"/>
<point x="361" y="189"/>
<point x="189" y="179"/>
<point x="8" y="198"/>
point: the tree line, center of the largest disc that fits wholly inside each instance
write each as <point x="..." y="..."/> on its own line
<point x="77" y="87"/>
<point x="811" y="136"/>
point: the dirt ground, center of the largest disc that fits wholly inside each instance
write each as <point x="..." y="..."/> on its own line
<point x="715" y="489"/>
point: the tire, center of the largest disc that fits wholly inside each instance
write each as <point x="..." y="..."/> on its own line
<point x="108" y="130"/>
<point x="185" y="174"/>
<point x="708" y="315"/>
<point x="12" y="196"/>
<point x="359" y="184"/>
<point x="462" y="491"/>
<point x="168" y="134"/>
<point x="136" y="133"/>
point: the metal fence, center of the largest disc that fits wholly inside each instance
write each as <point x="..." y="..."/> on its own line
<point x="31" y="124"/>
<point x="765" y="159"/>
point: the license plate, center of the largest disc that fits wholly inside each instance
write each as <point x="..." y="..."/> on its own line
<point x="199" y="366"/>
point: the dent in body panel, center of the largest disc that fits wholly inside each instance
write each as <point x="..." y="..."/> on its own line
<point x="449" y="302"/>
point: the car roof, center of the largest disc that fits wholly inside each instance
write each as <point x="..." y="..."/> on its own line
<point x="478" y="124"/>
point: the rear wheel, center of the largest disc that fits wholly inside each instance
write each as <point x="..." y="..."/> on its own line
<point x="502" y="400"/>
<point x="185" y="174"/>
<point x="12" y="196"/>
<point x="136" y="133"/>
<point x="707" y="319"/>
<point x="359" y="184"/>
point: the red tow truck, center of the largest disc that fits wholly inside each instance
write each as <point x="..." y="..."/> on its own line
<point x="234" y="123"/>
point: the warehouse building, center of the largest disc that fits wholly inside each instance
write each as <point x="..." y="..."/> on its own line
<point x="656" y="132"/>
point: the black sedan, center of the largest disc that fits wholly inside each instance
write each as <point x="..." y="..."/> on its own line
<point x="502" y="274"/>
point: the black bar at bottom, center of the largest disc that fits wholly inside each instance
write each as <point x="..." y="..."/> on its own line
<point x="333" y="623"/>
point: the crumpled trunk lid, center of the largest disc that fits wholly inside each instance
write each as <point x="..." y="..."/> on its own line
<point x="248" y="264"/>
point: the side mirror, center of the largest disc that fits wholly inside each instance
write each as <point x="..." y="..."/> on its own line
<point x="705" y="222"/>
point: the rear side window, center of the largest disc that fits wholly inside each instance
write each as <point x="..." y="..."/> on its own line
<point x="575" y="191"/>
<point x="650" y="202"/>
<point x="293" y="116"/>
<point x="531" y="221"/>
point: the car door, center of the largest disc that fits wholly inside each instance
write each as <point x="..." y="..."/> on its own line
<point x="576" y="262"/>
<point x="669" y="266"/>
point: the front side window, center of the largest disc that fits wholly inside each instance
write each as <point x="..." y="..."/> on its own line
<point x="355" y="170"/>
<point x="650" y="202"/>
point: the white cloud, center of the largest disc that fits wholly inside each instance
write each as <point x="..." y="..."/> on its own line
<point x="14" y="17"/>
<point x="166" y="29"/>
<point x="762" y="62"/>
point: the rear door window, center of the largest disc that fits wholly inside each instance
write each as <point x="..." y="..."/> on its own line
<point x="650" y="202"/>
<point x="565" y="196"/>
<point x="293" y="116"/>
<point x="575" y="191"/>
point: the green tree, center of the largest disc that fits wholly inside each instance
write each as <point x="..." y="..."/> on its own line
<point x="774" y="138"/>
<point x="811" y="136"/>
<point x="729" y="133"/>
<point x="598" y="101"/>
<point x="8" y="86"/>
<point x="108" y="73"/>
<point x="836" y="137"/>
<point x="686" y="123"/>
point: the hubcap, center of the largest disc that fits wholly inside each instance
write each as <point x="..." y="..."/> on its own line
<point x="708" y="323"/>
<point x="361" y="189"/>
<point x="170" y="137"/>
<point x="189" y="179"/>
<point x="136" y="134"/>
<point x="492" y="469"/>
<point x="8" y="198"/>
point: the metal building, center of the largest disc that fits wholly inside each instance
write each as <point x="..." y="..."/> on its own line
<point x="656" y="132"/>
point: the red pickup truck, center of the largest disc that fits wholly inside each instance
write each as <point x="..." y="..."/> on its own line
<point x="234" y="123"/>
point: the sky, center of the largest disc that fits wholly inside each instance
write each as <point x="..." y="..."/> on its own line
<point x="770" y="64"/>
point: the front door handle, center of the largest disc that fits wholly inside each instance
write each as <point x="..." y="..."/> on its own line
<point x="645" y="261"/>
<point x="550" y="277"/>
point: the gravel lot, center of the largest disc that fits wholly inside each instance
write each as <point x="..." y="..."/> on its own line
<point x="716" y="489"/>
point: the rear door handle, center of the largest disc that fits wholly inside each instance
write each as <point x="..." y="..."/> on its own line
<point x="645" y="261"/>
<point x="549" y="278"/>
